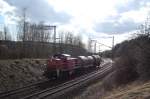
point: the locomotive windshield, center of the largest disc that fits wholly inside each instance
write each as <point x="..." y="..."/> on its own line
<point x="61" y="56"/>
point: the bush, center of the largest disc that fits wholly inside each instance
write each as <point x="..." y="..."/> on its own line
<point x="124" y="71"/>
<point x="4" y="52"/>
<point x="125" y="68"/>
<point x="132" y="62"/>
<point x="142" y="55"/>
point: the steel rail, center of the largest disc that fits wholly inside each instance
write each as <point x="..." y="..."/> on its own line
<point x="72" y="85"/>
<point x="57" y="89"/>
<point x="21" y="89"/>
<point x="33" y="88"/>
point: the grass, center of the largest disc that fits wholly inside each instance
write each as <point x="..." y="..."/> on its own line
<point x="133" y="90"/>
<point x="20" y="72"/>
<point x="91" y="92"/>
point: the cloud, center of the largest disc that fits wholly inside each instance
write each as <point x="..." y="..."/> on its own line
<point x="89" y="17"/>
<point x="128" y="19"/>
<point x="7" y="12"/>
<point x="85" y="12"/>
<point x="39" y="10"/>
<point x="132" y="5"/>
<point x="103" y="16"/>
<point x="138" y="16"/>
<point x="84" y="15"/>
<point x="116" y="27"/>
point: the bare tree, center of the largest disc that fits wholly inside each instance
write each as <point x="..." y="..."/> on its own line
<point x="78" y="41"/>
<point x="145" y="28"/>
<point x="1" y="35"/>
<point x="7" y="35"/>
<point x="22" y="26"/>
<point x="36" y="32"/>
<point x="89" y="44"/>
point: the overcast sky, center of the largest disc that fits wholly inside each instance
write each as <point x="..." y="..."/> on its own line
<point x="94" y="18"/>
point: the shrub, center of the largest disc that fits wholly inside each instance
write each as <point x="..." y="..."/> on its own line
<point x="133" y="61"/>
<point x="142" y="55"/>
<point x="125" y="70"/>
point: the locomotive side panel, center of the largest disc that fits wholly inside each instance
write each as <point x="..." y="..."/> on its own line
<point x="63" y="65"/>
<point x="60" y="65"/>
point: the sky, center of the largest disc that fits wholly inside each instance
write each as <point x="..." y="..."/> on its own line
<point x="95" y="19"/>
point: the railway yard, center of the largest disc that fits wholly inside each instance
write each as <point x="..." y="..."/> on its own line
<point x="46" y="89"/>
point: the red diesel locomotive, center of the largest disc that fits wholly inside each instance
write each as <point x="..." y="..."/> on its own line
<point x="62" y="65"/>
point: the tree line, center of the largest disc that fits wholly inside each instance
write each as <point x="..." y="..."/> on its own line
<point x="33" y="40"/>
<point x="131" y="59"/>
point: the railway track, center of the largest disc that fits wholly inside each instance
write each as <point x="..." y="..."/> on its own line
<point x="27" y="88"/>
<point x="44" y="89"/>
<point x="61" y="89"/>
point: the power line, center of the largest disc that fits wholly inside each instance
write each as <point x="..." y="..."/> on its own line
<point x="104" y="45"/>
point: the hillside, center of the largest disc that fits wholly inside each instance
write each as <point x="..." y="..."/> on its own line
<point x="131" y="91"/>
<point x="18" y="73"/>
<point x="131" y="65"/>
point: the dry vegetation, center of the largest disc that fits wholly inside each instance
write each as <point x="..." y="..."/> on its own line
<point x="91" y="92"/>
<point x="135" y="90"/>
<point x="31" y="49"/>
<point x="131" y="64"/>
<point x="18" y="73"/>
<point x="131" y="91"/>
<point x="38" y="41"/>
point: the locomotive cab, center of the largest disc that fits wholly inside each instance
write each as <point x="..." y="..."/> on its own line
<point x="60" y="64"/>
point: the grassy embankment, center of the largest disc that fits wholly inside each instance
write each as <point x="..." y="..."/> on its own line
<point x="133" y="90"/>
<point x="20" y="72"/>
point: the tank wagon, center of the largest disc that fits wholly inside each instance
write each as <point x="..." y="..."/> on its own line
<point x="63" y="65"/>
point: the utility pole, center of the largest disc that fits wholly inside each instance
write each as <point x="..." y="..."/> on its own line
<point x="23" y="52"/>
<point x="54" y="40"/>
<point x="112" y="47"/>
<point x="95" y="46"/>
<point x="5" y="32"/>
<point x="99" y="48"/>
<point x="54" y="46"/>
<point x="49" y="27"/>
<point x="89" y="45"/>
<point x="24" y="23"/>
<point x="95" y="41"/>
<point x="59" y="45"/>
<point x="112" y="41"/>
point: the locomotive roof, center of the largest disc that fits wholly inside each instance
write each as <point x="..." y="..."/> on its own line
<point x="65" y="55"/>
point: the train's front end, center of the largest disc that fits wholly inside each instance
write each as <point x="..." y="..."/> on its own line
<point x="60" y="65"/>
<point x="54" y="64"/>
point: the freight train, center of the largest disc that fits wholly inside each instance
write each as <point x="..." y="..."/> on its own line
<point x="63" y="65"/>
